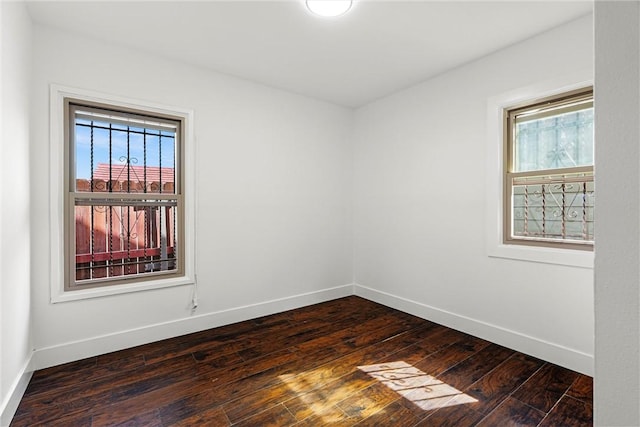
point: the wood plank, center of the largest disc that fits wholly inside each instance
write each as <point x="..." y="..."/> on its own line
<point x="221" y="361"/>
<point x="277" y="416"/>
<point x="338" y="363"/>
<point x="513" y="413"/>
<point x="451" y="355"/>
<point x="395" y="415"/>
<point x="229" y="339"/>
<point x="108" y="414"/>
<point x="340" y="377"/>
<point x="72" y="399"/>
<point x="582" y="389"/>
<point x="543" y="390"/>
<point x="148" y="419"/>
<point x="59" y="376"/>
<point x="186" y="406"/>
<point x="303" y="332"/>
<point x="494" y="387"/>
<point x="349" y="363"/>
<point x="210" y="417"/>
<point x="207" y="398"/>
<point x="475" y="367"/>
<point x="435" y="339"/>
<point x="243" y="335"/>
<point x="360" y="334"/>
<point x="367" y="402"/>
<point x="312" y="399"/>
<point x="425" y="393"/>
<point x="569" y="412"/>
<point x="234" y="383"/>
<point x="452" y="416"/>
<point x="257" y="400"/>
<point x="101" y="389"/>
<point x="253" y="403"/>
<point x="62" y="419"/>
<point x="328" y="415"/>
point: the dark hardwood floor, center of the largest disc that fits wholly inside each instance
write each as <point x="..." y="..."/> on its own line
<point x="344" y="362"/>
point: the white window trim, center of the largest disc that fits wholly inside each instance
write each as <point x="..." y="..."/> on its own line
<point x="57" y="191"/>
<point x="495" y="174"/>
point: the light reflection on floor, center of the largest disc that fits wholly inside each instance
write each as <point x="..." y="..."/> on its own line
<point x="422" y="390"/>
<point x="425" y="391"/>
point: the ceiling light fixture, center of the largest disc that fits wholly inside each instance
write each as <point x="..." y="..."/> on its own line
<point x="329" y="8"/>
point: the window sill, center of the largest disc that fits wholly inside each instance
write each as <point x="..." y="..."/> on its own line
<point x="97" y="292"/>
<point x="568" y="257"/>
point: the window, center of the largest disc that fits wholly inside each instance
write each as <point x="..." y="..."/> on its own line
<point x="124" y="204"/>
<point x="548" y="178"/>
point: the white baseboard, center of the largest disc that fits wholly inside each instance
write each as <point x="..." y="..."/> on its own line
<point x="16" y="391"/>
<point x="68" y="352"/>
<point x="72" y="351"/>
<point x="554" y="353"/>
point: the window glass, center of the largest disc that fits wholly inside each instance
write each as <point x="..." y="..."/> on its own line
<point x="549" y="188"/>
<point x="558" y="141"/>
<point x="124" y="197"/>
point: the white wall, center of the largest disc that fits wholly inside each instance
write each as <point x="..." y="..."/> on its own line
<point x="273" y="215"/>
<point x="15" y="264"/>
<point x="419" y="214"/>
<point x="617" y="271"/>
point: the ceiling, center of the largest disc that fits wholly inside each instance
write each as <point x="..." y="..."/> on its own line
<point x="379" y="47"/>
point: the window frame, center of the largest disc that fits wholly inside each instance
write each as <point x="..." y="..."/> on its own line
<point x="62" y="223"/>
<point x="509" y="114"/>
<point x="496" y="102"/>
<point x="72" y="196"/>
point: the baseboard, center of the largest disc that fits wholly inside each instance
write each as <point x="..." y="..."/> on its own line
<point x="16" y="391"/>
<point x="68" y="352"/>
<point x="554" y="353"/>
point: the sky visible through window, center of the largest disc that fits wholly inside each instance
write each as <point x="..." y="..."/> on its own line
<point x="558" y="141"/>
<point x="145" y="147"/>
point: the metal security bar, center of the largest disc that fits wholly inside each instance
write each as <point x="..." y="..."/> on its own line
<point x="116" y="240"/>
<point x="557" y="207"/>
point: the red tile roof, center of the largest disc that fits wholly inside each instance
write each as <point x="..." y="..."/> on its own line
<point x="136" y="173"/>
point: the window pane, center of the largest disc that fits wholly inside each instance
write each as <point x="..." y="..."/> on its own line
<point x="554" y="141"/>
<point x="558" y="207"/>
<point x="124" y="210"/>
<point x="120" y="238"/>
<point x="113" y="157"/>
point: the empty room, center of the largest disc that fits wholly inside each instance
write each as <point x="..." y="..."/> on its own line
<point x="321" y="212"/>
